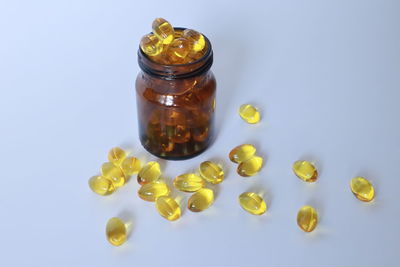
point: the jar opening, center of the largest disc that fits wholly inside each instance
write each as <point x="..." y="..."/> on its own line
<point x="177" y="71"/>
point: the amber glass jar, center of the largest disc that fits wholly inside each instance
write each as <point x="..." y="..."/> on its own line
<point x="176" y="106"/>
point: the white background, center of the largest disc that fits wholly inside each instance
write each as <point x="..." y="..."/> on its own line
<point x="325" y="75"/>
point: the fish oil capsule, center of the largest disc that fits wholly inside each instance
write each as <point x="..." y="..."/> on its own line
<point x="168" y="208"/>
<point x="163" y="30"/>
<point x="178" y="50"/>
<point x="305" y="170"/>
<point x="149" y="173"/>
<point x="211" y="172"/>
<point x="249" y="113"/>
<point x="151" y="191"/>
<point x="195" y="38"/>
<point x="252" y="203"/>
<point x="201" y="200"/>
<point x="130" y="165"/>
<point x="250" y="167"/>
<point x="101" y="185"/>
<point x="362" y="189"/>
<point x="116" y="231"/>
<point x="114" y="173"/>
<point x="151" y="45"/>
<point x="189" y="182"/>
<point x="242" y="153"/>
<point x="307" y="218"/>
<point x="116" y="155"/>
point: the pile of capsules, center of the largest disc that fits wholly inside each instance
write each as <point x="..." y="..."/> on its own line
<point x="116" y="172"/>
<point x="169" y="46"/>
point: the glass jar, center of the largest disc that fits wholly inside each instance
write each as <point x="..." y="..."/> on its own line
<point x="175" y="105"/>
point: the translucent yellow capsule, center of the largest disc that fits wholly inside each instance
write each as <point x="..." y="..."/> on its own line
<point x="362" y="189"/>
<point x="307" y="218"/>
<point x="250" y="167"/>
<point x="195" y="38"/>
<point x="116" y="155"/>
<point x="116" y="231"/>
<point x="114" y="173"/>
<point x="252" y="203"/>
<point x="168" y="208"/>
<point x="101" y="185"/>
<point x="130" y="165"/>
<point x="211" y="172"/>
<point x="178" y="50"/>
<point x="242" y="153"/>
<point x="201" y="200"/>
<point x="163" y="30"/>
<point x="305" y="170"/>
<point x="249" y="113"/>
<point x="188" y="182"/>
<point x="151" y="191"/>
<point x="149" y="173"/>
<point x="151" y="45"/>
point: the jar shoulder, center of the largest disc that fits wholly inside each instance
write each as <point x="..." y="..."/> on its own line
<point x="205" y="83"/>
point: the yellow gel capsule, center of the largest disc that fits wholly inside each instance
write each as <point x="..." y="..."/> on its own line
<point x="114" y="173"/>
<point x="189" y="182"/>
<point x="305" y="170"/>
<point x="116" y="155"/>
<point x="250" y="167"/>
<point x="249" y="113"/>
<point x="307" y="218"/>
<point x="201" y="200"/>
<point x="149" y="173"/>
<point x="151" y="191"/>
<point x="362" y="189"/>
<point x="116" y="231"/>
<point x="101" y="185"/>
<point x="211" y="172"/>
<point x="130" y="165"/>
<point x="252" y="203"/>
<point x="195" y="38"/>
<point x="242" y="153"/>
<point x="178" y="51"/>
<point x="151" y="45"/>
<point x="168" y="208"/>
<point x="163" y="30"/>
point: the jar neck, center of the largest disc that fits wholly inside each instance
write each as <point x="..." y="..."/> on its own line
<point x="178" y="71"/>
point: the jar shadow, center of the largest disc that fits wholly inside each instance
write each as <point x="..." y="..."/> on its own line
<point x="229" y="57"/>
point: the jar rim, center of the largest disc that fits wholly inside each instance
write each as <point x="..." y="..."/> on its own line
<point x="176" y="71"/>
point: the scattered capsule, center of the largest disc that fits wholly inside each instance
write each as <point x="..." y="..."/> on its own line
<point x="362" y="189"/>
<point x="116" y="231"/>
<point x="211" y="172"/>
<point x="252" y="203"/>
<point x="242" y="153"/>
<point x="201" y="200"/>
<point x="250" y="167"/>
<point x="178" y="50"/>
<point x="151" y="45"/>
<point x="116" y="155"/>
<point x="151" y="191"/>
<point x="114" y="173"/>
<point x="189" y="182"/>
<point x="168" y="208"/>
<point x="163" y="30"/>
<point x="307" y="218"/>
<point x="195" y="38"/>
<point x="305" y="170"/>
<point x="101" y="185"/>
<point x="249" y="113"/>
<point x="130" y="165"/>
<point x="149" y="173"/>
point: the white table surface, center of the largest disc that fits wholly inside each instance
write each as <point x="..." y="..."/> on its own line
<point x="325" y="75"/>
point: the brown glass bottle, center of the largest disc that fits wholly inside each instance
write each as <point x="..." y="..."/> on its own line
<point x="176" y="106"/>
